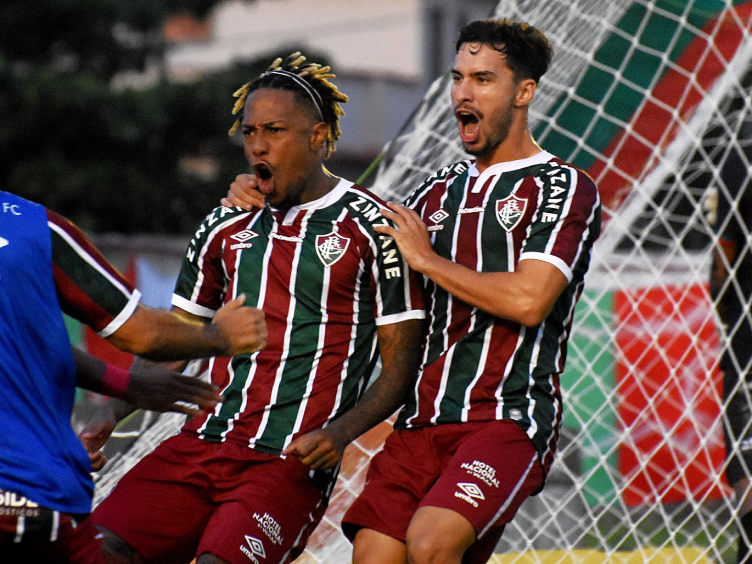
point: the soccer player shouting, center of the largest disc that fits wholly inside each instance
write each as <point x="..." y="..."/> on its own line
<point x="503" y="241"/>
<point x="251" y="480"/>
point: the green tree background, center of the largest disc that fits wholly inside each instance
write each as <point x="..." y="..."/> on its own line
<point x="112" y="160"/>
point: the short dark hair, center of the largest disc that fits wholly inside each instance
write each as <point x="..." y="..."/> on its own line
<point x="527" y="49"/>
<point x="310" y="84"/>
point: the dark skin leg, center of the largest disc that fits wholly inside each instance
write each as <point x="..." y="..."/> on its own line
<point x="117" y="551"/>
<point x="207" y="558"/>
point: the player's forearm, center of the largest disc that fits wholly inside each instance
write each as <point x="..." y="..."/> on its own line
<point x="524" y="296"/>
<point x="163" y="336"/>
<point x="482" y="290"/>
<point x="380" y="401"/>
<point x="97" y="376"/>
<point x="400" y="347"/>
<point x="180" y="341"/>
<point x="89" y="371"/>
<point x="90" y="374"/>
<point x="120" y="408"/>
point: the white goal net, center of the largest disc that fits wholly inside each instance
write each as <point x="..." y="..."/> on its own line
<point x="647" y="96"/>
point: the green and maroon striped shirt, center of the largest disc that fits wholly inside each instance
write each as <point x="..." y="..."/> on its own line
<point x="324" y="279"/>
<point x="89" y="288"/>
<point x="477" y="367"/>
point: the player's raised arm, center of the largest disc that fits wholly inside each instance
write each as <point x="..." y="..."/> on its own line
<point x="162" y="335"/>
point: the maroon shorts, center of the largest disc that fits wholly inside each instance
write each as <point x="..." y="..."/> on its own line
<point x="483" y="471"/>
<point x="191" y="497"/>
<point x="31" y="533"/>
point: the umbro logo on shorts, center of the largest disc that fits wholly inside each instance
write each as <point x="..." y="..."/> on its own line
<point x="470" y="492"/>
<point x="255" y="548"/>
<point x="471" y="489"/>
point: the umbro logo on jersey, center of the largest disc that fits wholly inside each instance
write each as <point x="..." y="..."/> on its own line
<point x="255" y="548"/>
<point x="331" y="247"/>
<point x="470" y="492"/>
<point x="4" y="242"/>
<point x="243" y="237"/>
<point x="509" y="211"/>
<point x="437" y="217"/>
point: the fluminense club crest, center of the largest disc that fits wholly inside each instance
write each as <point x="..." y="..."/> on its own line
<point x="331" y="247"/>
<point x="509" y="211"/>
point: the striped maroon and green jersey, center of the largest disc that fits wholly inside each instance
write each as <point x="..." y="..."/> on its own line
<point x="325" y="279"/>
<point x="478" y="367"/>
<point x="89" y="288"/>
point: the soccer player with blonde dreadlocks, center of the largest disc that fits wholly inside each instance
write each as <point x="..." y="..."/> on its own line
<point x="251" y="480"/>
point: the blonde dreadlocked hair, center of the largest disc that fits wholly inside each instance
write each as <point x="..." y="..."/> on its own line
<point x="323" y="95"/>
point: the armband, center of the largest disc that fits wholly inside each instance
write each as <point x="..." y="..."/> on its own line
<point x="115" y="381"/>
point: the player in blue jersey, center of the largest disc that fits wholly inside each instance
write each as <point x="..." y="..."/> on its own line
<point x="47" y="267"/>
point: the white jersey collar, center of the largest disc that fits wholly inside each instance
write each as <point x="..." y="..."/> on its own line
<point x="506" y="166"/>
<point x="324" y="201"/>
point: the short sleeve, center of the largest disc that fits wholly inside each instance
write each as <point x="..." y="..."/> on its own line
<point x="567" y="219"/>
<point x="202" y="284"/>
<point x="399" y="290"/>
<point x="90" y="289"/>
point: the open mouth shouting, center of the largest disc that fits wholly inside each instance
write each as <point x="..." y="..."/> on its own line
<point x="469" y="125"/>
<point x="264" y="178"/>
